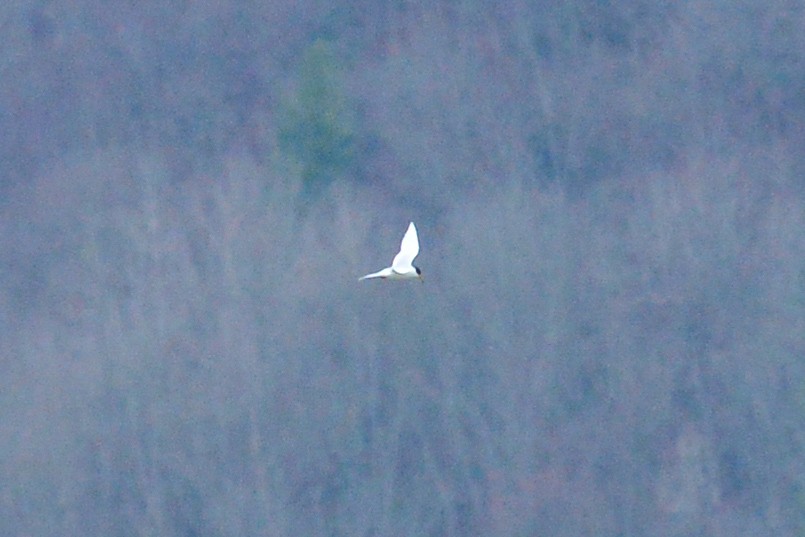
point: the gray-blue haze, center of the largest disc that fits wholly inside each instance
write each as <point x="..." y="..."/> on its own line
<point x="610" y="337"/>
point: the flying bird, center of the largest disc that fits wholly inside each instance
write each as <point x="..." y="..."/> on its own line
<point x="402" y="267"/>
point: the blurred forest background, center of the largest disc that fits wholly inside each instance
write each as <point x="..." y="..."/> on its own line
<point x="611" y="202"/>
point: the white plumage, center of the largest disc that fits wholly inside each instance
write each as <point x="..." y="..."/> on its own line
<point x="402" y="268"/>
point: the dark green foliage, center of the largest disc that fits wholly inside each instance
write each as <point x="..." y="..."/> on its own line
<point x="316" y="128"/>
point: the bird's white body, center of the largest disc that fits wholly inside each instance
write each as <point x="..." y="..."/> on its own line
<point x="402" y="267"/>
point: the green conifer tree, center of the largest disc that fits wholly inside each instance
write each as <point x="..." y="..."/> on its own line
<point x="316" y="129"/>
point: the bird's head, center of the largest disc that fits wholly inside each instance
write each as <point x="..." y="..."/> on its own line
<point x="419" y="274"/>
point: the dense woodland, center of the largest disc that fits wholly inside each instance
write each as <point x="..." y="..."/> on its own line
<point x="610" y="338"/>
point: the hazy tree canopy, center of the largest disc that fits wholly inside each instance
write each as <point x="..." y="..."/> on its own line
<point x="316" y="129"/>
<point x="609" y="340"/>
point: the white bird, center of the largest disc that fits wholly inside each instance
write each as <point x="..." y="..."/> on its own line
<point x="402" y="267"/>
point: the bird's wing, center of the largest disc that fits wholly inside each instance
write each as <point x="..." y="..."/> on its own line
<point x="385" y="273"/>
<point x="409" y="249"/>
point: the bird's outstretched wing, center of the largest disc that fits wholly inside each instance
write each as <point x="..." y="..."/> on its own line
<point x="385" y="273"/>
<point x="409" y="249"/>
